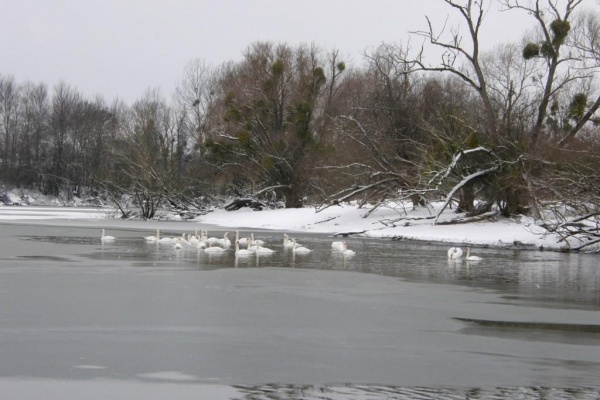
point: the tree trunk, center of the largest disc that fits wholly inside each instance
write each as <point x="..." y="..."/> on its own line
<point x="293" y="199"/>
<point x="466" y="199"/>
<point x="514" y="203"/>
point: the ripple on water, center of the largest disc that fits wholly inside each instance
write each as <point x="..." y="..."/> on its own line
<point x="368" y="392"/>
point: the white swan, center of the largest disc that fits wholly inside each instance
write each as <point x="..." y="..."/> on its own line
<point x="177" y="244"/>
<point x="105" y="238"/>
<point x="258" y="249"/>
<point x="190" y="240"/>
<point x="455" y="253"/>
<point x="193" y="240"/>
<point x="346" y="251"/>
<point x="470" y="257"/>
<point x="255" y="242"/>
<point x="338" y="246"/>
<point x="287" y="243"/>
<point x="153" y="239"/>
<point x="224" y="241"/>
<point x="170" y="240"/>
<point x="166" y="240"/>
<point x="184" y="239"/>
<point x="214" y="249"/>
<point x="212" y="239"/>
<point x="202" y="240"/>
<point x="241" y="252"/>
<point x="299" y="249"/>
<point x="244" y="241"/>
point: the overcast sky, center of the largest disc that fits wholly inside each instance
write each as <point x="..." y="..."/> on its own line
<point x="120" y="48"/>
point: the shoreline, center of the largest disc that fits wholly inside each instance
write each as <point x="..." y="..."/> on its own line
<point x="400" y="223"/>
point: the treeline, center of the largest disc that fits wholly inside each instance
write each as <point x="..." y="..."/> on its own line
<point x="515" y="127"/>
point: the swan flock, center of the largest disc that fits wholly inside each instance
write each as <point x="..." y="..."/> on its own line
<point x="220" y="245"/>
<point x="242" y="246"/>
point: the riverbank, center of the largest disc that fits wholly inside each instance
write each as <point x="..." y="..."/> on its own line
<point x="395" y="221"/>
<point x="398" y="223"/>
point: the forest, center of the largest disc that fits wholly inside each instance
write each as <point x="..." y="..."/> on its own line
<point x="511" y="130"/>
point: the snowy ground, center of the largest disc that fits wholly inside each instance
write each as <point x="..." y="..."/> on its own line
<point x="409" y="225"/>
<point x="398" y="222"/>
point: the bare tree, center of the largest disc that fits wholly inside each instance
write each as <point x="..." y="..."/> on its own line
<point x="33" y="133"/>
<point x="150" y="157"/>
<point x="462" y="57"/>
<point x="143" y="154"/>
<point x="376" y="133"/>
<point x="554" y="26"/>
<point x="195" y="95"/>
<point x="270" y="127"/>
<point x="586" y="40"/>
<point x="10" y="113"/>
<point x="511" y="81"/>
<point x="572" y="209"/>
<point x="91" y="142"/>
<point x="506" y="88"/>
<point x="64" y="109"/>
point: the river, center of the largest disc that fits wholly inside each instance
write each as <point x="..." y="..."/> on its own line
<point x="129" y="319"/>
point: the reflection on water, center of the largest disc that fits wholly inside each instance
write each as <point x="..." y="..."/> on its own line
<point x="376" y="392"/>
<point x="64" y="239"/>
<point x="548" y="278"/>
<point x="575" y="334"/>
<point x="172" y="385"/>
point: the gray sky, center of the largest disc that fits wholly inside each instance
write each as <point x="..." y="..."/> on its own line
<point x="121" y="48"/>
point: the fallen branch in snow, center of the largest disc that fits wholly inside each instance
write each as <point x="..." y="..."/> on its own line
<point x="462" y="183"/>
<point x="355" y="190"/>
<point x="251" y="202"/>
<point x="457" y="157"/>
<point x="591" y="242"/>
<point x="346" y="234"/>
<point x="584" y="229"/>
<point x="393" y="222"/>
<point x="325" y="220"/>
<point x="465" y="220"/>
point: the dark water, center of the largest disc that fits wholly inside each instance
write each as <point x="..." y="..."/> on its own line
<point x="397" y="320"/>
<point x="548" y="278"/>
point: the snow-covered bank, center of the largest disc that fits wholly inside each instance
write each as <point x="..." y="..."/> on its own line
<point x="395" y="221"/>
<point x="410" y="225"/>
<point x="44" y="213"/>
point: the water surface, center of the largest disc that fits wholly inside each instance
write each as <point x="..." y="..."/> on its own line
<point x="396" y="320"/>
